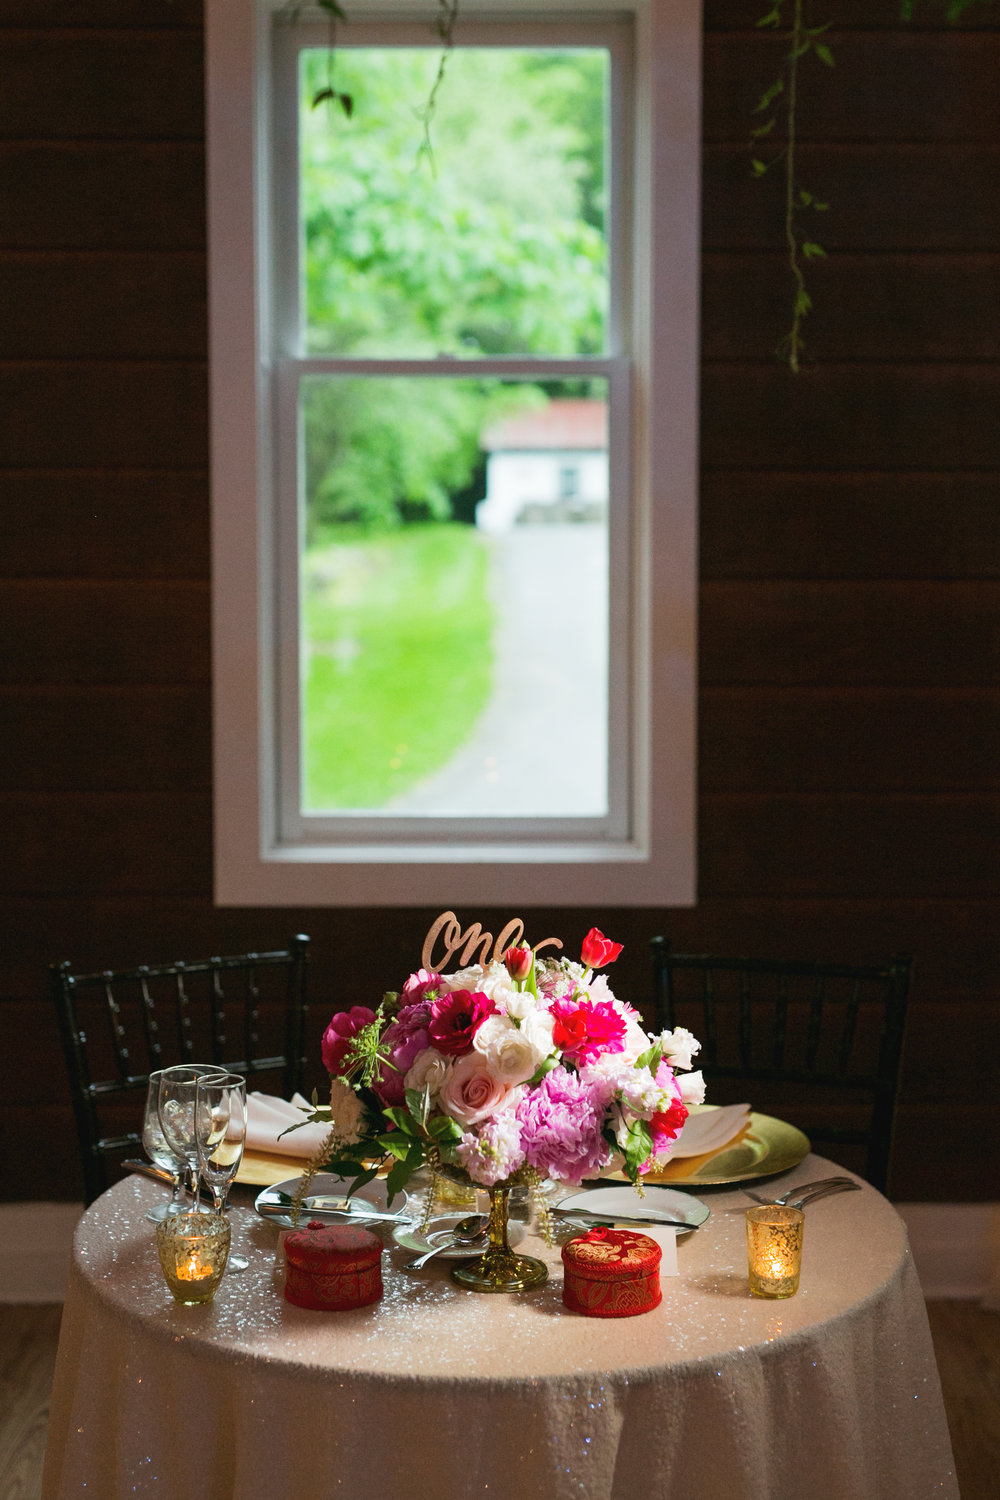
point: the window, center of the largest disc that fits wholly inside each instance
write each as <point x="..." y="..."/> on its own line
<point x="453" y="454"/>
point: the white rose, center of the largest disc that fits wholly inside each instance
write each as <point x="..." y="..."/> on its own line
<point x="475" y="977"/>
<point x="511" y="1052"/>
<point x="636" y="1040"/>
<point x="679" y="1047"/>
<point x="519" y="1004"/>
<point x="428" y="1070"/>
<point x="692" y="1087"/>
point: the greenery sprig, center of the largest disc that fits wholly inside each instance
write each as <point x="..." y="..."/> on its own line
<point x="779" y="104"/>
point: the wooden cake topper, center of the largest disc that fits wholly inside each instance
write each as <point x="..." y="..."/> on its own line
<point x="448" y="929"/>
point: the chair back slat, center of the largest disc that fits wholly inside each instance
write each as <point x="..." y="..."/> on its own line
<point x="815" y="1021"/>
<point x="118" y="1026"/>
<point x="780" y="1022"/>
<point x="821" y="1043"/>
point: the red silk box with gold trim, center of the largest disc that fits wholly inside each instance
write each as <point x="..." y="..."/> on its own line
<point x="611" y="1273"/>
<point x="333" y="1269"/>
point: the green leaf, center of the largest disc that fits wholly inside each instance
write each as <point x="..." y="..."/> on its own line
<point x="651" y="1058"/>
<point x="766" y="100"/>
<point x="543" y="1068"/>
<point x="773" y="17"/>
<point x="811" y="250"/>
<point x="444" y="1129"/>
<point x="638" y="1146"/>
<point x="765" y="129"/>
<point x="824" y="54"/>
<point x="396" y="1144"/>
<point x="400" y="1174"/>
<point x="402" y="1119"/>
<point x="418" y="1102"/>
<point x="805" y="199"/>
<point x="820" y="208"/>
<point x="803" y="302"/>
<point x="758" y="167"/>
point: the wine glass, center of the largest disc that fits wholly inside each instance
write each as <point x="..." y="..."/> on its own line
<point x="155" y="1146"/>
<point x="221" y="1128"/>
<point x="176" y="1101"/>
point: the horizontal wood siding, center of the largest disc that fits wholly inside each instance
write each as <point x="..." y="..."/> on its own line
<point x="850" y="551"/>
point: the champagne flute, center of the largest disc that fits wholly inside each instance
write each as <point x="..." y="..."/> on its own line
<point x="155" y="1146"/>
<point x="176" y="1101"/>
<point x="221" y="1127"/>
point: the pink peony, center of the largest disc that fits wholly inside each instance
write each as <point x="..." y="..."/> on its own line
<point x="404" y="1041"/>
<point x="495" y="1153"/>
<point x="423" y="985"/>
<point x="455" y="1019"/>
<point x="339" y="1035"/>
<point x="472" y="1091"/>
<point x="587" y="1030"/>
<point x="561" y="1122"/>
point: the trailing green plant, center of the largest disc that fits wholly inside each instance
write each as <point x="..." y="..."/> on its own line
<point x="774" y="142"/>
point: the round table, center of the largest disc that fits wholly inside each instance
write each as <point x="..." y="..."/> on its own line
<point x="441" y="1394"/>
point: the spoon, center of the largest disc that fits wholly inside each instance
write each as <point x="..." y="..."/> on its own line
<point x="472" y="1230"/>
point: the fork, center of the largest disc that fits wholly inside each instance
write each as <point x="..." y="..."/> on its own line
<point x="798" y="1197"/>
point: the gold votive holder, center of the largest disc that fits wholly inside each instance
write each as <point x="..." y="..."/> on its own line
<point x="193" y="1250"/>
<point x="774" y="1249"/>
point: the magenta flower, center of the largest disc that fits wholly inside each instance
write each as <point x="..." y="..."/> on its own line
<point x="586" y="1030"/>
<point x="561" y="1121"/>
<point x="456" y="1018"/>
<point x="340" y="1033"/>
<point x="423" y="985"/>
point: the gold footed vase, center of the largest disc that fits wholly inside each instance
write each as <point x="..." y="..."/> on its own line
<point x="498" y="1269"/>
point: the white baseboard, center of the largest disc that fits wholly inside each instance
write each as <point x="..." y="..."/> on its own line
<point x="956" y="1248"/>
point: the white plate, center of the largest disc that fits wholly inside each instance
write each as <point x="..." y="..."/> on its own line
<point x="438" y="1229"/>
<point x="662" y="1201"/>
<point x="327" y="1191"/>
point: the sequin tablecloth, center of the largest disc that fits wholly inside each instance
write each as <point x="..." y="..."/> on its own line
<point x="442" y="1394"/>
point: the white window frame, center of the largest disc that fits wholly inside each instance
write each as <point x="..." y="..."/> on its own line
<point x="643" y="854"/>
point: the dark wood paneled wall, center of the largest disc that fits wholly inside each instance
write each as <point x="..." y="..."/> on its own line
<point x="850" y="552"/>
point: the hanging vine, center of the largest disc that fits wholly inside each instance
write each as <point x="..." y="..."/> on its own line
<point x="779" y="131"/>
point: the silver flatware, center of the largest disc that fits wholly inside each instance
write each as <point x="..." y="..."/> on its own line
<point x="472" y="1232"/>
<point x="807" y="1192"/>
<point x="593" y="1217"/>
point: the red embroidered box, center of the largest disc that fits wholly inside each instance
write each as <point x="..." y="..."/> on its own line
<point x="611" y="1273"/>
<point x="332" y="1269"/>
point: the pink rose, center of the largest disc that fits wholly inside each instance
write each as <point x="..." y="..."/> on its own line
<point x="456" y="1018"/>
<point x="423" y="985"/>
<point x="472" y="1092"/>
<point x="339" y="1035"/>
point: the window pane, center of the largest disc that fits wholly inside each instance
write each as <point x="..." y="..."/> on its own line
<point x="493" y="243"/>
<point x="455" y="597"/>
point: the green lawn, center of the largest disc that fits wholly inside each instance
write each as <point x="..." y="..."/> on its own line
<point x="398" y="632"/>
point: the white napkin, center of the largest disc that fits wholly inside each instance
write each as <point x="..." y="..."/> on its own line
<point x="267" y="1117"/>
<point x="709" y="1129"/>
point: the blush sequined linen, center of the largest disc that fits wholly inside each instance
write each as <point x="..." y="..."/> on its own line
<point x="333" y="1269"/>
<point x="611" y="1273"/>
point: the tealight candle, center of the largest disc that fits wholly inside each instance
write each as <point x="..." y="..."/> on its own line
<point x="193" y="1250"/>
<point x="774" y="1249"/>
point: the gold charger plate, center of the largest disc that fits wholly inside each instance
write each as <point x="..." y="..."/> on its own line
<point x="764" y="1147"/>
<point x="258" y="1170"/>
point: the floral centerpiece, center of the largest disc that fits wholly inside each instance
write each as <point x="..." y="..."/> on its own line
<point x="519" y="1070"/>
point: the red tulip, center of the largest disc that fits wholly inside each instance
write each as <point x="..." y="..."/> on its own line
<point x="597" y="950"/>
<point x="518" y="963"/>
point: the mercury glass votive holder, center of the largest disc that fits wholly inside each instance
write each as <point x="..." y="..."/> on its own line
<point x="774" y="1249"/>
<point x="193" y="1250"/>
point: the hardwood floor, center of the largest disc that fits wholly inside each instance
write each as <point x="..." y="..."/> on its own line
<point x="966" y="1342"/>
<point x="29" y="1336"/>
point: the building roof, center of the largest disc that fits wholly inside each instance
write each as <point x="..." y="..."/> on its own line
<point x="562" y="424"/>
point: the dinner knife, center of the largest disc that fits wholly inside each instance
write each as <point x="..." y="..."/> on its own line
<point x="283" y="1211"/>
